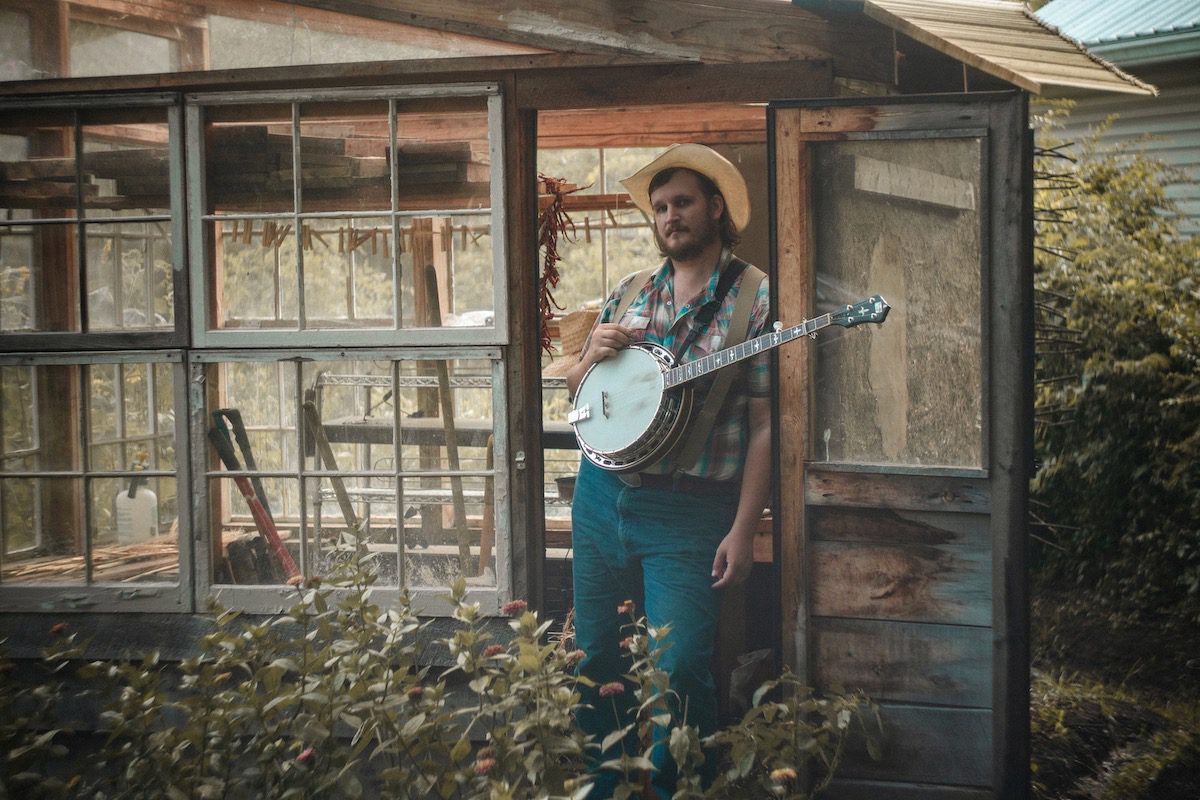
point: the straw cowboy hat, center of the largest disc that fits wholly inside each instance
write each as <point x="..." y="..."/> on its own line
<point x="701" y="159"/>
<point x="573" y="331"/>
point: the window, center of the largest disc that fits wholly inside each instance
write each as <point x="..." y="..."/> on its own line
<point x="351" y="219"/>
<point x="90" y="222"/>
<point x="395" y="452"/>
<point x="89" y="476"/>
<point x="355" y="220"/>
<point x="337" y="317"/>
<point x="902" y="218"/>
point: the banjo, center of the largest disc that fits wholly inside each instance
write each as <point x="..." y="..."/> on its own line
<point x="632" y="409"/>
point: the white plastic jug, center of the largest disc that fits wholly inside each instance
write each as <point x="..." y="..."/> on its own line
<point x="137" y="516"/>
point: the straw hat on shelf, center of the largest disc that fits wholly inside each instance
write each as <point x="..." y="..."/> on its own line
<point x="573" y="331"/>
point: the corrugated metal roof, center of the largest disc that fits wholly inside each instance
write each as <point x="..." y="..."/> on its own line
<point x="1098" y="21"/>
<point x="1001" y="38"/>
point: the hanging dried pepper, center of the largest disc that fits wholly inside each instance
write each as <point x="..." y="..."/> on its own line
<point x="553" y="221"/>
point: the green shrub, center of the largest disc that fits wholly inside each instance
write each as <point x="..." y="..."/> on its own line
<point x="1118" y="396"/>
<point x="330" y="700"/>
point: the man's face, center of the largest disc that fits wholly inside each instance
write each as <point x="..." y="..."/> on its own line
<point x="685" y="221"/>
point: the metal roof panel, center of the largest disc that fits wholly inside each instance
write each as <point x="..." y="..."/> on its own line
<point x="1098" y="21"/>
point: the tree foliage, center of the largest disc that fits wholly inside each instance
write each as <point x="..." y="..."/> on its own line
<point x="1117" y="486"/>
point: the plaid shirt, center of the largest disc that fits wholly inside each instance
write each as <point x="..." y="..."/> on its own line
<point x="654" y="318"/>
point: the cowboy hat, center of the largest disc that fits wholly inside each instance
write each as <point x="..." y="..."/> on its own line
<point x="573" y="331"/>
<point x="700" y="159"/>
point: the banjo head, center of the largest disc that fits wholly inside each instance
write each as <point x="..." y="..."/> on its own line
<point x="624" y="417"/>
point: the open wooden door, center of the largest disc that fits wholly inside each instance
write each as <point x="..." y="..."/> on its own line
<point x="905" y="449"/>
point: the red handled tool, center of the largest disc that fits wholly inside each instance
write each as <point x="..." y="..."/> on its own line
<point x="262" y="519"/>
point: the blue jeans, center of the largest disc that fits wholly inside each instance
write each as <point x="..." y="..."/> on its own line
<point x="655" y="547"/>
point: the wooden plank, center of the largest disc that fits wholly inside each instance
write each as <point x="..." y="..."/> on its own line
<point x="885" y="526"/>
<point x="891" y="116"/>
<point x="888" y="790"/>
<point x="909" y="183"/>
<point x="644" y="85"/>
<point x="527" y="525"/>
<point x="714" y="30"/>
<point x="946" y="665"/>
<point x="899" y="492"/>
<point x="902" y="582"/>
<point x="1009" y="383"/>
<point x="922" y="744"/>
<point x="711" y="123"/>
<point x="793" y="277"/>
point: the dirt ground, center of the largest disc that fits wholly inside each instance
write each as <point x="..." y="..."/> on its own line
<point x="1115" y="707"/>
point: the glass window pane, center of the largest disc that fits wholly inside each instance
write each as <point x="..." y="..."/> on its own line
<point x="39" y="407"/>
<point x="248" y="550"/>
<point x="105" y="50"/>
<point x="901" y="219"/>
<point x="248" y="159"/>
<point x="16" y="42"/>
<point x="126" y="163"/>
<point x="129" y="275"/>
<point x="256" y="274"/>
<point x="38" y="181"/>
<point x="18" y="413"/>
<point x="131" y="418"/>
<point x="42" y="533"/>
<point x="348" y="273"/>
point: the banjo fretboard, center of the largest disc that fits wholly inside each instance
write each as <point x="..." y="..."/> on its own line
<point x="739" y="352"/>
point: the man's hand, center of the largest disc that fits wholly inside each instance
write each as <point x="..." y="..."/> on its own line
<point x="607" y="339"/>
<point x="735" y="557"/>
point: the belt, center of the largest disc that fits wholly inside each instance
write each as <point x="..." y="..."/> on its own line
<point x="687" y="484"/>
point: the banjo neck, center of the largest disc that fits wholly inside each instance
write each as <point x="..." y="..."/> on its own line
<point x="740" y="352"/>
<point x="872" y="309"/>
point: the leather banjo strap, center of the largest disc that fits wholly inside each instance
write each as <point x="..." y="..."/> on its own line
<point x="738" y="325"/>
<point x="632" y="290"/>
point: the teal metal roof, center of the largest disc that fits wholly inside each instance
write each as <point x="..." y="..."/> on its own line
<point x="1129" y="31"/>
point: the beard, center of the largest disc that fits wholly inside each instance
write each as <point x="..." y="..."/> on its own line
<point x="689" y="248"/>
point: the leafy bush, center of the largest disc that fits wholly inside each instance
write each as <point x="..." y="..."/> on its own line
<point x="330" y="700"/>
<point x="1118" y="397"/>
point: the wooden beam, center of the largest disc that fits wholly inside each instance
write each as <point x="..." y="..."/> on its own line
<point x="710" y="123"/>
<point x="794" y="279"/>
<point x="682" y="83"/>
<point x="316" y="76"/>
<point x="730" y="31"/>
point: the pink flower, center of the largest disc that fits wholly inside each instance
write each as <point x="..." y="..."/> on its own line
<point x="306" y="755"/>
<point x="783" y="774"/>
<point x="295" y="581"/>
<point x="627" y="643"/>
<point x="493" y="650"/>
<point x="415" y="692"/>
<point x="484" y="765"/>
<point x="612" y="689"/>
<point x="626" y="607"/>
<point x="514" y="607"/>
<point x="574" y="657"/>
<point x="58" y="628"/>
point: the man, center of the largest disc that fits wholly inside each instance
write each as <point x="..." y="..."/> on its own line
<point x="674" y="540"/>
